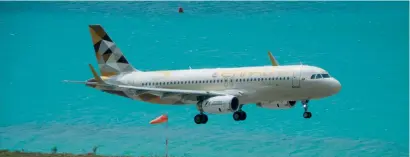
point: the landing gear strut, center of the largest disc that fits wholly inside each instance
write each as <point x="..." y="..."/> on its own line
<point x="306" y="114"/>
<point x="200" y="118"/>
<point x="239" y="115"/>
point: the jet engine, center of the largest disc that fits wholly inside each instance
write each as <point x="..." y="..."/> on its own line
<point x="276" y="104"/>
<point x="220" y="104"/>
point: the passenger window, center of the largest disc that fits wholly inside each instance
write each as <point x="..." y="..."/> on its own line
<point x="318" y="76"/>
<point x="288" y="78"/>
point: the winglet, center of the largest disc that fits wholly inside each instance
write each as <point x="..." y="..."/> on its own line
<point x="272" y="59"/>
<point x="96" y="77"/>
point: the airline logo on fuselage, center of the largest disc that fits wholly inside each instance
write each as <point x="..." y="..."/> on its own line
<point x="243" y="73"/>
<point x="215" y="74"/>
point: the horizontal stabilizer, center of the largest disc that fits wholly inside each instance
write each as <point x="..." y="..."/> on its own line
<point x="80" y="82"/>
<point x="72" y="81"/>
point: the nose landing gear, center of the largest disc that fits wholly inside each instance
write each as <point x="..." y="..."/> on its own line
<point x="306" y="114"/>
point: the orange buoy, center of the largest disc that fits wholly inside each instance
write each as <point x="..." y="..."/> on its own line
<point x="161" y="119"/>
<point x="181" y="10"/>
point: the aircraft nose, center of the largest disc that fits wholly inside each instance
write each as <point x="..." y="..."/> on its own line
<point x="336" y="86"/>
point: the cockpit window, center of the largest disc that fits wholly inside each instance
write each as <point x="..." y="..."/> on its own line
<point x="320" y="76"/>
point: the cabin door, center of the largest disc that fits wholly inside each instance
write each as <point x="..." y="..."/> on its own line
<point x="296" y="78"/>
<point x="228" y="82"/>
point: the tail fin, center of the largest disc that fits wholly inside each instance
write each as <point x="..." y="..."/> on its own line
<point x="110" y="59"/>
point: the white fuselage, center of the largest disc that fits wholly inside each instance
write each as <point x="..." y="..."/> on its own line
<point x="258" y="84"/>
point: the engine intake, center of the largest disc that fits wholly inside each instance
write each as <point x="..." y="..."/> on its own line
<point x="220" y="104"/>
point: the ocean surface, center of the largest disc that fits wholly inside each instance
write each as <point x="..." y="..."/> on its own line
<point x="365" y="45"/>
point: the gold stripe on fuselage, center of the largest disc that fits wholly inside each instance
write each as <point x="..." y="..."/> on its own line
<point x="231" y="73"/>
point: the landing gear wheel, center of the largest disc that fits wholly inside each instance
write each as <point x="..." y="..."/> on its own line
<point x="204" y="118"/>
<point x="243" y="115"/>
<point x="239" y="115"/>
<point x="201" y="119"/>
<point x="307" y="114"/>
<point x="197" y="119"/>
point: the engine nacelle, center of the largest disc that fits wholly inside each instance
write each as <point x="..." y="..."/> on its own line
<point x="220" y="104"/>
<point x="276" y="104"/>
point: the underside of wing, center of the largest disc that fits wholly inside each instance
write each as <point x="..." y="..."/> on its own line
<point x="164" y="92"/>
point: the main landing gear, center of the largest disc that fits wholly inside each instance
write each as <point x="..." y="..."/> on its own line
<point x="239" y="115"/>
<point x="200" y="118"/>
<point x="306" y="114"/>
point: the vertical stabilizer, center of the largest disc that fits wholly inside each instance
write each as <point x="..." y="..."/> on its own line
<point x="111" y="61"/>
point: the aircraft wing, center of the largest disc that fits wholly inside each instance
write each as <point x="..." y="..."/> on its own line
<point x="166" y="91"/>
<point x="161" y="92"/>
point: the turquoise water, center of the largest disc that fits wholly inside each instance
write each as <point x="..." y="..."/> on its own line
<point x="363" y="44"/>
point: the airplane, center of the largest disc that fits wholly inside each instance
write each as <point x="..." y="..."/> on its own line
<point x="212" y="90"/>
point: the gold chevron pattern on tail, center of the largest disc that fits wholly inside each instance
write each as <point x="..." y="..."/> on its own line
<point x="111" y="61"/>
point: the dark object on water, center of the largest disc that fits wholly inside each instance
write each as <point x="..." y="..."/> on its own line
<point x="95" y="150"/>
<point x="54" y="150"/>
<point x="180" y="10"/>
